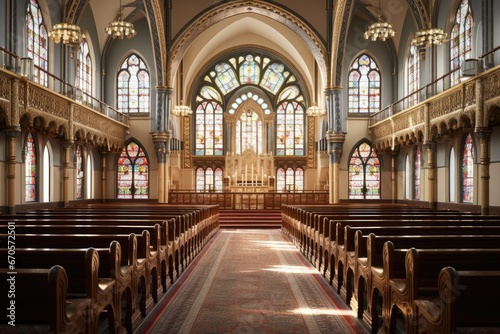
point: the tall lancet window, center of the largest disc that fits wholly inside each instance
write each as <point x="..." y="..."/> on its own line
<point x="37" y="42"/>
<point x="461" y="39"/>
<point x="249" y="132"/>
<point x="416" y="177"/>
<point x="79" y="172"/>
<point x="31" y="168"/>
<point x="468" y="171"/>
<point x="413" y="75"/>
<point x="133" y="86"/>
<point x="84" y="71"/>
<point x="364" y="86"/>
<point x="364" y="173"/>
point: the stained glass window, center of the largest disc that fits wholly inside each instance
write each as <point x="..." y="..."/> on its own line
<point x="249" y="133"/>
<point x="413" y="75"/>
<point x="209" y="129"/>
<point x="461" y="39"/>
<point x="30" y="156"/>
<point x="468" y="171"/>
<point x="364" y="86"/>
<point x="416" y="177"/>
<point x="290" y="129"/>
<point x="37" y="42"/>
<point x="364" y="173"/>
<point x="79" y="172"/>
<point x="133" y="86"/>
<point x="263" y="73"/>
<point x="209" y="180"/>
<point x="289" y="180"/>
<point x="133" y="172"/>
<point x="84" y="71"/>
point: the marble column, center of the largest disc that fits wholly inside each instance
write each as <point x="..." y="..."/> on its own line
<point x="160" y="141"/>
<point x="67" y="150"/>
<point x="432" y="173"/>
<point x="104" y="156"/>
<point x="484" y="135"/>
<point x="394" y="174"/>
<point x="11" y="134"/>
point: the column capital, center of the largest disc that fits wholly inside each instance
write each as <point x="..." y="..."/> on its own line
<point x="12" y="131"/>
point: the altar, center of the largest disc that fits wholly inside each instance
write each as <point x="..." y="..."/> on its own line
<point x="249" y="172"/>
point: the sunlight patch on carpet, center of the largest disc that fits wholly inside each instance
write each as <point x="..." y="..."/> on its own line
<point x="311" y="311"/>
<point x="293" y="269"/>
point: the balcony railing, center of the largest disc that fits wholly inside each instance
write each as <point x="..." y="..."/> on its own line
<point x="25" y="67"/>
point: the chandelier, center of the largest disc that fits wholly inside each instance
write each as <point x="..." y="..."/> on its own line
<point x="119" y="28"/>
<point x="379" y="29"/>
<point x="182" y="110"/>
<point x="429" y="37"/>
<point x="315" y="111"/>
<point x="67" y="33"/>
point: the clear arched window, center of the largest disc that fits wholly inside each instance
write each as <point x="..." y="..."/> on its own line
<point x="80" y="172"/>
<point x="364" y="86"/>
<point x="37" y="44"/>
<point x="407" y="178"/>
<point x="133" y="86"/>
<point x="89" y="177"/>
<point x="30" y="158"/>
<point x="364" y="173"/>
<point x="413" y="75"/>
<point x="289" y="180"/>
<point x="84" y="71"/>
<point x="254" y="76"/>
<point x="416" y="177"/>
<point x="468" y="171"/>
<point x="461" y="39"/>
<point x="133" y="172"/>
<point x="46" y="174"/>
<point x="209" y="179"/>
<point x="249" y="132"/>
<point x="453" y="175"/>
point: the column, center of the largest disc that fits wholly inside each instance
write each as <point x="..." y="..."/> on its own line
<point x="336" y="137"/>
<point x="484" y="135"/>
<point x="432" y="173"/>
<point x="67" y="150"/>
<point x="160" y="141"/>
<point x="104" y="155"/>
<point x="11" y="134"/>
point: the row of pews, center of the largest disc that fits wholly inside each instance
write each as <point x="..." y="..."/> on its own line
<point x="402" y="268"/>
<point x="99" y="268"/>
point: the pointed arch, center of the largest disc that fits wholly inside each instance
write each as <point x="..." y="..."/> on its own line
<point x="461" y="39"/>
<point x="364" y="172"/>
<point x="31" y="168"/>
<point x="80" y="172"/>
<point x="37" y="41"/>
<point x="133" y="171"/>
<point x="133" y="85"/>
<point x="84" y="71"/>
<point x="289" y="179"/>
<point x="468" y="170"/>
<point x="209" y="179"/>
<point x="364" y="85"/>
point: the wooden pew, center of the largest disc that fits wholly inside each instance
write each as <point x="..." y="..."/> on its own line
<point x="420" y="278"/>
<point x="40" y="299"/>
<point x="82" y="268"/>
<point x="467" y="299"/>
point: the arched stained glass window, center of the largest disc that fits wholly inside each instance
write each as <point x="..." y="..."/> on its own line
<point x="461" y="39"/>
<point x="133" y="86"/>
<point x="226" y="78"/>
<point x="290" y="129"/>
<point x="30" y="158"/>
<point x="468" y="171"/>
<point x="84" y="71"/>
<point x="413" y="75"/>
<point x="209" y="129"/>
<point x="79" y="172"/>
<point x="249" y="133"/>
<point x="133" y="172"/>
<point x="37" y="42"/>
<point x="364" y="86"/>
<point x="209" y="180"/>
<point x="262" y="78"/>
<point x="364" y="173"/>
<point x="289" y="180"/>
<point x="416" y="177"/>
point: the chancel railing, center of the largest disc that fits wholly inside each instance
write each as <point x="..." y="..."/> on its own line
<point x="248" y="200"/>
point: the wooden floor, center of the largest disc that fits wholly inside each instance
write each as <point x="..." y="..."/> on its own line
<point x="250" y="219"/>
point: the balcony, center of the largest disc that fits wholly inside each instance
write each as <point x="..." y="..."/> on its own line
<point x="59" y="109"/>
<point x="469" y="105"/>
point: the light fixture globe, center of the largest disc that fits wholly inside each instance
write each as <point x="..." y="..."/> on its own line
<point x="315" y="111"/>
<point x="430" y="36"/>
<point x="68" y="34"/>
<point x="120" y="28"/>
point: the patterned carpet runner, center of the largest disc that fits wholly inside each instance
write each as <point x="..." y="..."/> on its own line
<point x="251" y="281"/>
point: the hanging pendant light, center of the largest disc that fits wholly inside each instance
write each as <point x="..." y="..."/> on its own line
<point x="379" y="29"/>
<point x="119" y="28"/>
<point x="67" y="33"/>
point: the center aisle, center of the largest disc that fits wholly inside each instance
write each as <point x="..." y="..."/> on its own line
<point x="251" y="281"/>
